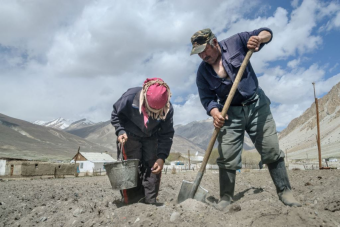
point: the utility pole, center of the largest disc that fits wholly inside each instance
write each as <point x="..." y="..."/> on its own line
<point x="189" y="158"/>
<point x="318" y="127"/>
<point x="287" y="158"/>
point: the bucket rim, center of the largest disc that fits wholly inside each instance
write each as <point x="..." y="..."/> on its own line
<point x="127" y="160"/>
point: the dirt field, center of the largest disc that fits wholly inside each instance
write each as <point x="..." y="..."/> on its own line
<point x="90" y="201"/>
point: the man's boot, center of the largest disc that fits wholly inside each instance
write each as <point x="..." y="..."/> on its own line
<point x="279" y="175"/>
<point x="227" y="187"/>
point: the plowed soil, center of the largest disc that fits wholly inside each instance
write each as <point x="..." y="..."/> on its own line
<point x="90" y="201"/>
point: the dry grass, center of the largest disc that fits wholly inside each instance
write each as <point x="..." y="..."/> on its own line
<point x="250" y="159"/>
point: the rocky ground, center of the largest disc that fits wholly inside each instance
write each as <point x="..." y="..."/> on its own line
<point x="90" y="201"/>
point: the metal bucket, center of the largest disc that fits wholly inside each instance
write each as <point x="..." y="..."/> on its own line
<point x="123" y="174"/>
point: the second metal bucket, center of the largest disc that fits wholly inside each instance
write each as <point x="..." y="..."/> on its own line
<point x="123" y="174"/>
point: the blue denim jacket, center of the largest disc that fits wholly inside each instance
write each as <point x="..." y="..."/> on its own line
<point x="212" y="89"/>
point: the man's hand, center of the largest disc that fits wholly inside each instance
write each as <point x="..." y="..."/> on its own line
<point x="158" y="166"/>
<point x="255" y="41"/>
<point x="122" y="138"/>
<point x="218" y="118"/>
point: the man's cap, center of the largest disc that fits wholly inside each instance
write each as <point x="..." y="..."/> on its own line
<point x="200" y="39"/>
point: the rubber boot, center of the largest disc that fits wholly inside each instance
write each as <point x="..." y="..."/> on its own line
<point x="279" y="175"/>
<point x="227" y="188"/>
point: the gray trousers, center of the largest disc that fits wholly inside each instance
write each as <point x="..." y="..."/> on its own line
<point x="256" y="119"/>
<point x="144" y="149"/>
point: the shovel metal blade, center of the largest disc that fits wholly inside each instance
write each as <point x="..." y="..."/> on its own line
<point x="186" y="188"/>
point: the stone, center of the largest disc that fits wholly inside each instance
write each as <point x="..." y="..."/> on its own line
<point x="174" y="216"/>
<point x="77" y="212"/>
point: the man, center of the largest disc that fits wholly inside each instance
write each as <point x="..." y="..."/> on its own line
<point x="249" y="110"/>
<point x="143" y="119"/>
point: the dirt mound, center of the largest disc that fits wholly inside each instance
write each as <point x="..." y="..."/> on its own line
<point x="90" y="201"/>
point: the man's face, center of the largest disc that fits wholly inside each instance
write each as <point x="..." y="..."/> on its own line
<point x="210" y="55"/>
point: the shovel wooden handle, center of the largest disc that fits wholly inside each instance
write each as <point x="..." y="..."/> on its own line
<point x="216" y="131"/>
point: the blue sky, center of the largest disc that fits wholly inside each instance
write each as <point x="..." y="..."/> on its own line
<point x="74" y="59"/>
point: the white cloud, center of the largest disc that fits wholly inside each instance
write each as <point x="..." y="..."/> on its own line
<point x="293" y="63"/>
<point x="294" y="3"/>
<point x="191" y="110"/>
<point x="292" y="91"/>
<point x="31" y="25"/>
<point x="74" y="59"/>
<point x="334" y="67"/>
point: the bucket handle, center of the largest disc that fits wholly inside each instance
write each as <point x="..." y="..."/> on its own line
<point x="120" y="152"/>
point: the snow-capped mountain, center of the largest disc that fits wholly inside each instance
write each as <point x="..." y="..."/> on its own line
<point x="59" y="123"/>
<point x="39" y="122"/>
<point x="62" y="123"/>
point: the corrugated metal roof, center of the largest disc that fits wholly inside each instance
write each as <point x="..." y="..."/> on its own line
<point x="97" y="157"/>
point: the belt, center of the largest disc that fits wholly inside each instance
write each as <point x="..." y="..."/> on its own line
<point x="245" y="104"/>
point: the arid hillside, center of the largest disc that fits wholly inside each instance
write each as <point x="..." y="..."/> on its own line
<point x="299" y="138"/>
<point x="21" y="139"/>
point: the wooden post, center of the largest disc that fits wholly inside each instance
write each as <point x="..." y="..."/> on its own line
<point x="189" y="157"/>
<point x="75" y="160"/>
<point x="318" y="126"/>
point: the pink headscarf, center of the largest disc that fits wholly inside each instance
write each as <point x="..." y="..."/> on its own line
<point x="154" y="100"/>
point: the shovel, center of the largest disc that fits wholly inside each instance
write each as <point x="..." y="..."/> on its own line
<point x="192" y="190"/>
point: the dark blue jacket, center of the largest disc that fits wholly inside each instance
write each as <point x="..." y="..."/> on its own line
<point x="125" y="117"/>
<point x="212" y="89"/>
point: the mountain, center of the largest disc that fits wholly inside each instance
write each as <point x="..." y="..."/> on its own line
<point x="299" y="138"/>
<point x="200" y="132"/>
<point x="104" y="134"/>
<point x="79" y="124"/>
<point x="59" y="123"/>
<point x="22" y="139"/>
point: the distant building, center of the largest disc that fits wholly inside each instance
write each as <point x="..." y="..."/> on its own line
<point x="14" y="167"/>
<point x="193" y="158"/>
<point x="91" y="163"/>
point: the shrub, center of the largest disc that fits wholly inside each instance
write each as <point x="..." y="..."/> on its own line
<point x="251" y="159"/>
<point x="173" y="170"/>
<point x="173" y="157"/>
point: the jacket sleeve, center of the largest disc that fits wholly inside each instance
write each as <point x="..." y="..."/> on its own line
<point x="207" y="96"/>
<point x="165" y="135"/>
<point x="246" y="35"/>
<point x="117" y="116"/>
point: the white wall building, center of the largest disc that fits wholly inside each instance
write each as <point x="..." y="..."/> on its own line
<point x="90" y="162"/>
<point x="2" y="167"/>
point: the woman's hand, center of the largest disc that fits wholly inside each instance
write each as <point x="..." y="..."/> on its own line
<point x="158" y="166"/>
